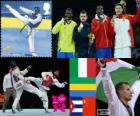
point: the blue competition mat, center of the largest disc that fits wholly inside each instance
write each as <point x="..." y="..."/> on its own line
<point x="15" y="43"/>
<point x="33" y="111"/>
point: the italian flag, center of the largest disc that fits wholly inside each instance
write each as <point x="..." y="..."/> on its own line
<point x="81" y="69"/>
<point x="86" y="67"/>
<point x="120" y="71"/>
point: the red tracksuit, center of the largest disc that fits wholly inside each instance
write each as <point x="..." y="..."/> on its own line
<point x="103" y="32"/>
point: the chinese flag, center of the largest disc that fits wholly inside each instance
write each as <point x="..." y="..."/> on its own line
<point x="89" y="106"/>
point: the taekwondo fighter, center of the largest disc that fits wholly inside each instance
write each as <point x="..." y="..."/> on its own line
<point x="31" y="21"/>
<point x="20" y="85"/>
<point x="48" y="79"/>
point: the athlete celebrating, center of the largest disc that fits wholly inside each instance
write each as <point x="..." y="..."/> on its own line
<point x="122" y="24"/>
<point x="121" y="98"/>
<point x="102" y="29"/>
<point x="65" y="27"/>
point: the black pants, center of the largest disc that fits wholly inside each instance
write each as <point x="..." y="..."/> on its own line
<point x="9" y="92"/>
<point x="82" y="52"/>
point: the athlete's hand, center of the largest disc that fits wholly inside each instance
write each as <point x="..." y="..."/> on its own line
<point x="113" y="18"/>
<point x="123" y="2"/>
<point x="20" y="7"/>
<point x="62" y="20"/>
<point x="7" y="6"/>
<point x="80" y="27"/>
<point x="101" y="63"/>
<point x="101" y="18"/>
<point x="13" y="90"/>
<point x="29" y="67"/>
<point x="65" y="83"/>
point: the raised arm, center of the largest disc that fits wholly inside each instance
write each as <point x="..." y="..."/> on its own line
<point x="25" y="71"/>
<point x="58" y="84"/>
<point x="136" y="18"/>
<point x="25" y="10"/>
<point x="108" y="86"/>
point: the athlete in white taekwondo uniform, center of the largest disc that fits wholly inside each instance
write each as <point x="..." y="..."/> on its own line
<point x="20" y="85"/>
<point x="115" y="104"/>
<point x="48" y="79"/>
<point x="31" y="22"/>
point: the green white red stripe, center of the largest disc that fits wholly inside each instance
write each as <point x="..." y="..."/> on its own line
<point x="86" y="67"/>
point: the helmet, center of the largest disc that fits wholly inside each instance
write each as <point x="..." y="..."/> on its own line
<point x="44" y="74"/>
<point x="36" y="9"/>
<point x="56" y="73"/>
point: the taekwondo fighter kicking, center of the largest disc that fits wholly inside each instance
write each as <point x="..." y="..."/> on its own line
<point x="121" y="98"/>
<point x="48" y="79"/>
<point x="20" y="84"/>
<point x="31" y="21"/>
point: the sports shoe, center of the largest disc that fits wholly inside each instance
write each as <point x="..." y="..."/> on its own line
<point x="34" y="54"/>
<point x="13" y="111"/>
<point x="46" y="110"/>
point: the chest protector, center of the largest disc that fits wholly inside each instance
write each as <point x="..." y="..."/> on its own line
<point x="48" y="82"/>
<point x="33" y="16"/>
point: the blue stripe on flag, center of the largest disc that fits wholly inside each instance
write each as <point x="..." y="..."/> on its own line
<point x="82" y="93"/>
<point x="76" y="114"/>
<point x="76" y="98"/>
<point x="78" y="106"/>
